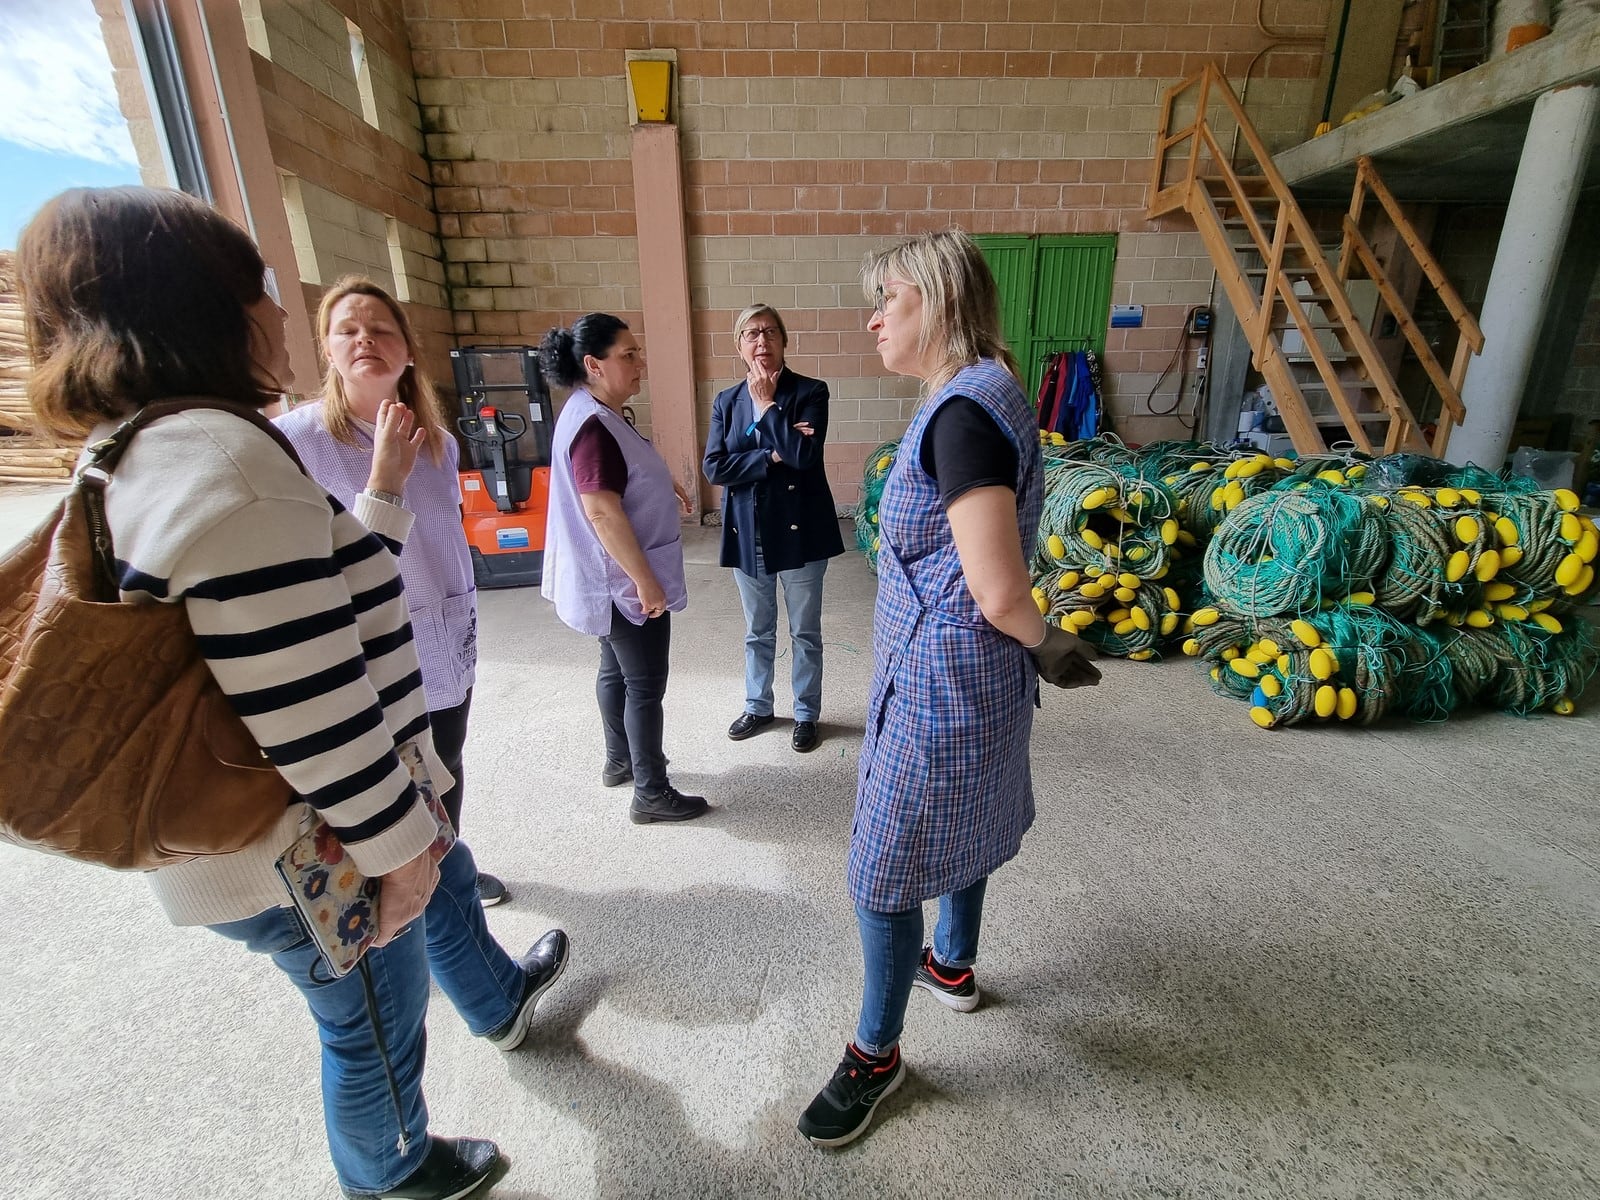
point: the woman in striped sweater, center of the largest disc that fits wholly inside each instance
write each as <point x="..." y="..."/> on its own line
<point x="134" y="295"/>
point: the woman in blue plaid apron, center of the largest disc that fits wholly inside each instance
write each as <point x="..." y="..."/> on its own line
<point x="944" y="794"/>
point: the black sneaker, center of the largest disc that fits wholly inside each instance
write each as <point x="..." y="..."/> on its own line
<point x="542" y="966"/>
<point x="491" y="891"/>
<point x="452" y="1168"/>
<point x="668" y="805"/>
<point x="954" y="987"/>
<point x="616" y="774"/>
<point x="842" y="1111"/>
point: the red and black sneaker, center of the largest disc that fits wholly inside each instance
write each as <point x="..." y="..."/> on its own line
<point x="954" y="987"/>
<point x="842" y="1111"/>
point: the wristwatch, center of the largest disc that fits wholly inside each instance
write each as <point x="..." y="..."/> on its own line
<point x="393" y="498"/>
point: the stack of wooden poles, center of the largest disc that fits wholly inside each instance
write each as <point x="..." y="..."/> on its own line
<point x="25" y="457"/>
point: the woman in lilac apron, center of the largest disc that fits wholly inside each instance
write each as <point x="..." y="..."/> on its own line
<point x="371" y="353"/>
<point x="613" y="560"/>
<point x="944" y="793"/>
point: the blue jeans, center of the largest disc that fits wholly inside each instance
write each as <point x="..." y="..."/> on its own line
<point x="802" y="596"/>
<point x="452" y="942"/>
<point x="891" y="945"/>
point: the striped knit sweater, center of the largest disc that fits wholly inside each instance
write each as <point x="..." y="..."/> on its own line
<point x="299" y="612"/>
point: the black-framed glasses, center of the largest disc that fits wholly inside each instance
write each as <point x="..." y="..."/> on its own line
<point x="759" y="333"/>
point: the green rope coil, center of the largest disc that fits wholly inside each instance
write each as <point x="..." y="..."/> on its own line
<point x="875" y="474"/>
<point x="1283" y="552"/>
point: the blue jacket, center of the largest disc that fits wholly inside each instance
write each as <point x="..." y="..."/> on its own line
<point x="790" y="499"/>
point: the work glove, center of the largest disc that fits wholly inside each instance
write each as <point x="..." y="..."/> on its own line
<point x="1063" y="658"/>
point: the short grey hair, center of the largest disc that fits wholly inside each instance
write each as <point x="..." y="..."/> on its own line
<point x="760" y="310"/>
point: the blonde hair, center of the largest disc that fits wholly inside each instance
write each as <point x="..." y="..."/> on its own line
<point x="414" y="389"/>
<point x="960" y="303"/>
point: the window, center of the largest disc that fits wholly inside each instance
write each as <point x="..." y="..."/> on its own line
<point x="358" y="59"/>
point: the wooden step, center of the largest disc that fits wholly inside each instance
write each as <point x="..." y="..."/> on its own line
<point x="1333" y="418"/>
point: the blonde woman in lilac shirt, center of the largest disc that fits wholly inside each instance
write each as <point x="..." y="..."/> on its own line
<point x="371" y="355"/>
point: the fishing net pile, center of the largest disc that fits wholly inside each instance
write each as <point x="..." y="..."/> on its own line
<point x="1333" y="587"/>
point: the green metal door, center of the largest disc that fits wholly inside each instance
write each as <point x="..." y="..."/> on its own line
<point x="1010" y="260"/>
<point x="1055" y="294"/>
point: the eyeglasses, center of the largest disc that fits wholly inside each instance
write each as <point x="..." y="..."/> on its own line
<point x="881" y="298"/>
<point x="759" y="333"/>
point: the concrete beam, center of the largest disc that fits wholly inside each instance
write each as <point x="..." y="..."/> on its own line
<point x="1457" y="140"/>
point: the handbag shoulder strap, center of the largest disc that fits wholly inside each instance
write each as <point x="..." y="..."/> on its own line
<point x="105" y="454"/>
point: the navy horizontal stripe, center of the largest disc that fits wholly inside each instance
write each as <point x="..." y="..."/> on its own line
<point x="324" y="740"/>
<point x="412" y="729"/>
<point x="358" y="551"/>
<point x="386" y="643"/>
<point x="265" y="579"/>
<point x="400" y="689"/>
<point x="371" y="598"/>
<point x="275" y="637"/>
<point x="389" y="544"/>
<point x="298" y="691"/>
<point x="381" y="822"/>
<point x="131" y="579"/>
<point x="355" y="783"/>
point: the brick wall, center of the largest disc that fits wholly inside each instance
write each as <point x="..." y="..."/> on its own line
<point x="814" y="130"/>
<point x="132" y="99"/>
<point x="346" y="179"/>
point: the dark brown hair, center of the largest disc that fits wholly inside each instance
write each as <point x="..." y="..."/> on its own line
<point x="414" y="390"/>
<point x="562" y="351"/>
<point x="132" y="295"/>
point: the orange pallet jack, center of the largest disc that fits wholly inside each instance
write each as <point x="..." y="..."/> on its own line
<point x="505" y="485"/>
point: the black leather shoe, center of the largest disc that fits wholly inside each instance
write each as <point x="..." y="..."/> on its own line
<point x="747" y="724"/>
<point x="616" y="774"/>
<point x="669" y="805"/>
<point x="541" y="966"/>
<point x="804" y="737"/>
<point x="453" y="1168"/>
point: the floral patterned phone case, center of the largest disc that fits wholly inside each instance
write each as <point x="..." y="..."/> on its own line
<point x="337" y="903"/>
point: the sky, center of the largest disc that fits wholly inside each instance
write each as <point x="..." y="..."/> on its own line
<point x="60" y="126"/>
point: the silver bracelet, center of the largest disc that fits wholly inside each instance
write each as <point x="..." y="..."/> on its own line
<point x="393" y="498"/>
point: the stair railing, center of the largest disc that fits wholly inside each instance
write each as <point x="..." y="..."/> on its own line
<point x="1189" y="192"/>
<point x="1356" y="248"/>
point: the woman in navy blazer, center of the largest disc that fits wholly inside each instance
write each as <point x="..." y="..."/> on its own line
<point x="778" y="519"/>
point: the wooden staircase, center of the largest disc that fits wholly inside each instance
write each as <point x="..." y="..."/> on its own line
<point x="1274" y="267"/>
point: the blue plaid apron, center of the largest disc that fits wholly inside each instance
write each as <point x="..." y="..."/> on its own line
<point x="944" y="793"/>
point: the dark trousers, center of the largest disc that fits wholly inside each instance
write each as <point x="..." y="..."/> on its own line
<point x="630" y="688"/>
<point x="449" y="739"/>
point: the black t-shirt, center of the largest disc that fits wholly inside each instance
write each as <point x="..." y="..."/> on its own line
<point x="965" y="448"/>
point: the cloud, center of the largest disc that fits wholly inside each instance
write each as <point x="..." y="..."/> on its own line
<point x="55" y="82"/>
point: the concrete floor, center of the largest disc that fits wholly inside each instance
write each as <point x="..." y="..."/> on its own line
<point x="1318" y="962"/>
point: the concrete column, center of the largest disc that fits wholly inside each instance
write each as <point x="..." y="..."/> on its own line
<point x="664" y="287"/>
<point x="1555" y="156"/>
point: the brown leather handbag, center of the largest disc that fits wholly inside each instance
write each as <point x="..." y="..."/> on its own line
<point x="116" y="745"/>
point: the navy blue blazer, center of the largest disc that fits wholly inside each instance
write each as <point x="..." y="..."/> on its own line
<point x="790" y="499"/>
